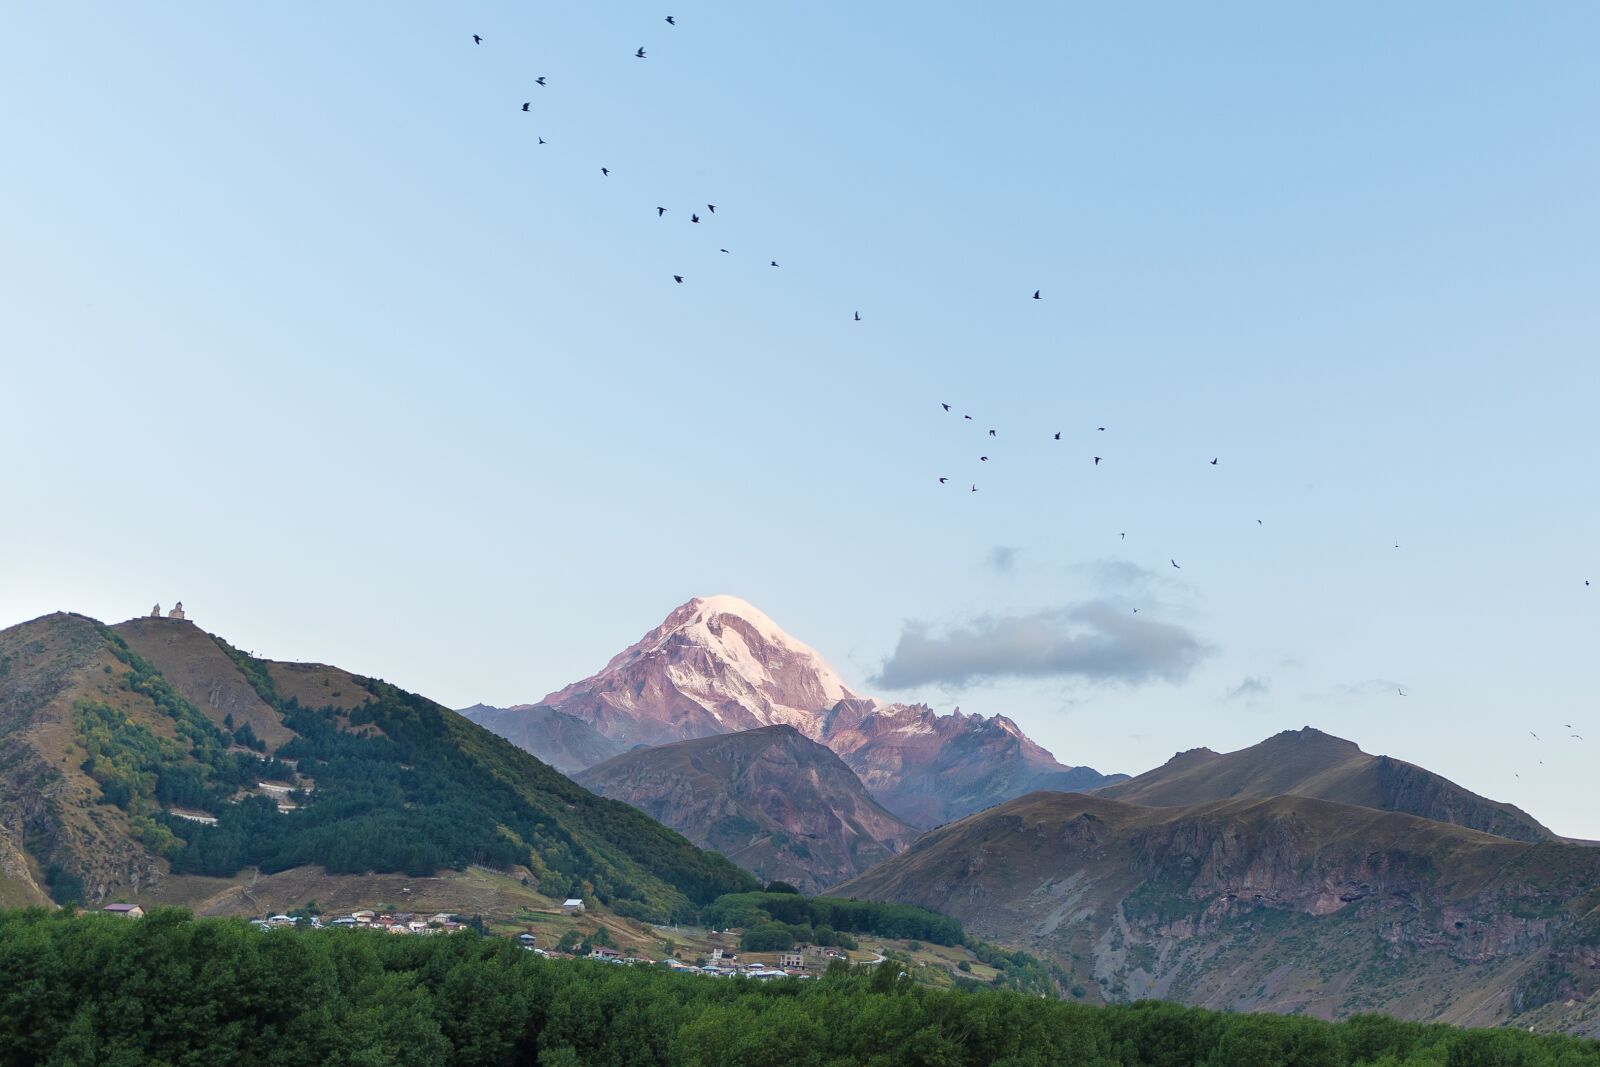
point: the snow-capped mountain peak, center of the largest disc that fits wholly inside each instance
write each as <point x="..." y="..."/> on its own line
<point x="716" y="664"/>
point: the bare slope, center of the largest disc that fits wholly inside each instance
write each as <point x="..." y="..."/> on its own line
<point x="564" y="741"/>
<point x="773" y="801"/>
<point x="1285" y="904"/>
<point x="1310" y="763"/>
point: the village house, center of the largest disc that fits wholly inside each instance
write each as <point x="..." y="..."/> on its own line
<point x="791" y="959"/>
<point x="127" y="911"/>
<point x="572" y="906"/>
<point x="600" y="952"/>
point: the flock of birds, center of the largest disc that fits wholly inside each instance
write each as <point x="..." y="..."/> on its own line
<point x="1038" y="294"/>
<point x="605" y="171"/>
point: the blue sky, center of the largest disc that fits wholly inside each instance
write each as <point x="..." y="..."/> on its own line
<point x="302" y="326"/>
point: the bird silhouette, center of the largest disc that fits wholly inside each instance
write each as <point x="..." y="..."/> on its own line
<point x="711" y="208"/>
<point x="722" y="250"/>
<point x="678" y="278"/>
<point x="543" y="141"/>
<point x="605" y="173"/>
<point x="539" y="80"/>
<point x="1535" y="736"/>
<point x="944" y="405"/>
<point x="1097" y="461"/>
<point x="671" y="21"/>
<point x="1174" y="564"/>
<point x="974" y="488"/>
<point x="1578" y="736"/>
<point x="1036" y="294"/>
<point x="858" y="316"/>
<point x="774" y="263"/>
<point x="640" y="53"/>
<point x="1136" y="611"/>
<point x="943" y="480"/>
<point x="694" y="218"/>
<point x="967" y="417"/>
<point x="1258" y="522"/>
<point x="476" y="39"/>
<point x="1213" y="461"/>
<point x="983" y="459"/>
<point x="525" y="104"/>
<point x="1402" y="692"/>
<point x="1123" y="536"/>
<point x="1058" y="435"/>
<point x="991" y="433"/>
<point x="1102" y="429"/>
<point x="660" y="211"/>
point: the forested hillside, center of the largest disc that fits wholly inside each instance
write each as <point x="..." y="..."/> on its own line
<point x="127" y="770"/>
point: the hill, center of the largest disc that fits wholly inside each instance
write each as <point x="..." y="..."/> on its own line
<point x="1310" y="763"/>
<point x="564" y="741"/>
<point x="774" y="802"/>
<point x="134" y="755"/>
<point x="718" y="665"/>
<point x="1289" y="904"/>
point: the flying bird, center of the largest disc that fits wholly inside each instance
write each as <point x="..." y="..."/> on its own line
<point x="1136" y="611"/>
<point x="1102" y="429"/>
<point x="944" y="405"/>
<point x="1123" y="536"/>
<point x="539" y="80"/>
<point x="711" y="208"/>
<point x="974" y="488"/>
<point x="774" y="263"/>
<point x="1213" y="461"/>
<point x="983" y="459"/>
<point x="1174" y="564"/>
<point x="1535" y="736"/>
<point x="476" y="39"/>
<point x="991" y="433"/>
<point x="1058" y="435"/>
<point x="723" y="250"/>
<point x="525" y="104"/>
<point x="660" y="211"/>
<point x="943" y="480"/>
<point x="678" y="278"/>
<point x="671" y="21"/>
<point x="858" y="316"/>
<point x="1402" y="692"/>
<point x="1578" y="736"/>
<point x="543" y="141"/>
<point x="694" y="218"/>
<point x="605" y="173"/>
<point x="1258" y="522"/>
<point x="967" y="417"/>
<point x="1036" y="294"/>
<point x="1097" y="461"/>
<point x="640" y="53"/>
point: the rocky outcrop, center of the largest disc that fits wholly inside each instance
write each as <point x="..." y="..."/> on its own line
<point x="1285" y="903"/>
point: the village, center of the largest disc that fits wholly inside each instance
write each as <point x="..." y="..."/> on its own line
<point x="574" y="931"/>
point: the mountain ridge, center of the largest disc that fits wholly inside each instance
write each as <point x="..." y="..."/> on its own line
<point x="772" y="800"/>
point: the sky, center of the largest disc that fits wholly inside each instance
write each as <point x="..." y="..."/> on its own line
<point x="301" y="325"/>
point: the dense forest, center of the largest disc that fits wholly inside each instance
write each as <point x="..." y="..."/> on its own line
<point x="97" y="989"/>
<point x="401" y="784"/>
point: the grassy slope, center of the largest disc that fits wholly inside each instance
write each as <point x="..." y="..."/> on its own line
<point x="1314" y="764"/>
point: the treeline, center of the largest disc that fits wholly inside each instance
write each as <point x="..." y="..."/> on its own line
<point x="803" y="916"/>
<point x="95" y="989"/>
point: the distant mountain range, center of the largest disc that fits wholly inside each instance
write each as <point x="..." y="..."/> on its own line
<point x="770" y="799"/>
<point x="564" y="741"/>
<point x="1299" y="875"/>
<point x="718" y="665"/>
<point x="151" y="761"/>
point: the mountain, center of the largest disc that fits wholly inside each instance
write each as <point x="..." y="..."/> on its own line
<point x="564" y="741"/>
<point x="1310" y="763"/>
<point x="1287" y="903"/>
<point x="718" y="665"/>
<point x="929" y="768"/>
<point x="770" y="799"/>
<point x="152" y="761"/>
